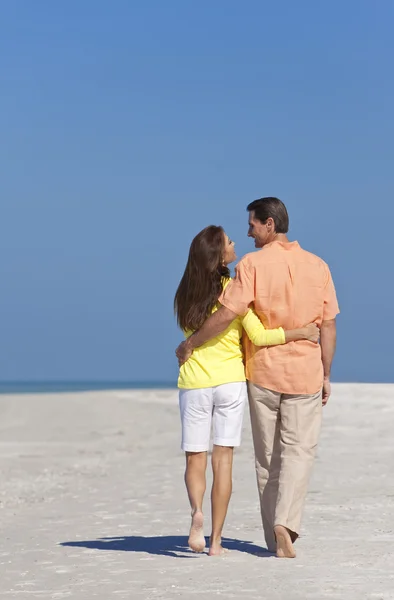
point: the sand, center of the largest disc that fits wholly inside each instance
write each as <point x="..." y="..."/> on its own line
<point x="93" y="504"/>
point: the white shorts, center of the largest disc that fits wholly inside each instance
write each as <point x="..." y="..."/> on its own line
<point x="222" y="404"/>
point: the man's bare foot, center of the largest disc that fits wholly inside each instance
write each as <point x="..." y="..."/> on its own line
<point x="196" y="536"/>
<point x="216" y="548"/>
<point x="284" y="545"/>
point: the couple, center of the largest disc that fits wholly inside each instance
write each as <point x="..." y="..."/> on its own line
<point x="282" y="368"/>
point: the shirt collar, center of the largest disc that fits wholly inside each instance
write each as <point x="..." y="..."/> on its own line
<point x="285" y="245"/>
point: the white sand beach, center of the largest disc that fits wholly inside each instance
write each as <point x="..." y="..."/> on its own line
<point x="93" y="504"/>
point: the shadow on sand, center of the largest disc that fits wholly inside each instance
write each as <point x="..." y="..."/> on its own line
<point x="167" y="545"/>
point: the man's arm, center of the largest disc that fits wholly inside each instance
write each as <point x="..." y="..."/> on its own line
<point x="235" y="301"/>
<point x="214" y="325"/>
<point x="328" y="339"/>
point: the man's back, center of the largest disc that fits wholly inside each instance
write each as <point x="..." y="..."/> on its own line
<point x="290" y="288"/>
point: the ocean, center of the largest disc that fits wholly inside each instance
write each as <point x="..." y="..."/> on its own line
<point x="43" y="387"/>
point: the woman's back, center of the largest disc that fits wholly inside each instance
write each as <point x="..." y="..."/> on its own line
<point x="218" y="361"/>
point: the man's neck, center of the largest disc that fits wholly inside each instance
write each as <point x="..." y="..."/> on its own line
<point x="281" y="237"/>
<point x="278" y="237"/>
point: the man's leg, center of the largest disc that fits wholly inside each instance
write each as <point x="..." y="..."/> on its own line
<point x="265" y="420"/>
<point x="299" y="434"/>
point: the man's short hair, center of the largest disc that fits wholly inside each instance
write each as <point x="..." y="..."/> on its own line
<point x="264" y="208"/>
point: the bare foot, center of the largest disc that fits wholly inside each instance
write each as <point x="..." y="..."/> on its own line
<point x="196" y="536"/>
<point x="216" y="549"/>
<point x="284" y="545"/>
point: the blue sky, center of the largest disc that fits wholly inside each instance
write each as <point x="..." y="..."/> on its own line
<point x="127" y="127"/>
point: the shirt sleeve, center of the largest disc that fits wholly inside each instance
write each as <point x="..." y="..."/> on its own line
<point x="258" y="334"/>
<point x="240" y="292"/>
<point x="331" y="308"/>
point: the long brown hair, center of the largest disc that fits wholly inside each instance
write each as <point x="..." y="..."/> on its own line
<point x="201" y="284"/>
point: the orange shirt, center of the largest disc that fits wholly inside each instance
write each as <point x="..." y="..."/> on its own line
<point x="287" y="287"/>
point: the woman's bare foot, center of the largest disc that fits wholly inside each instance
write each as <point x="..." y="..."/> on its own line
<point x="284" y="545"/>
<point x="216" y="548"/>
<point x="196" y="536"/>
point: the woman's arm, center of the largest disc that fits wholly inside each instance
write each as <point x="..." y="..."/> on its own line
<point x="260" y="336"/>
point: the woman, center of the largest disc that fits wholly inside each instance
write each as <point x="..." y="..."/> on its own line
<point x="212" y="382"/>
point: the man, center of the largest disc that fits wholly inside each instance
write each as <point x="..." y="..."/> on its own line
<point x="288" y="384"/>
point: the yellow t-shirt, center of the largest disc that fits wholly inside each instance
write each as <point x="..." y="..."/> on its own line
<point x="220" y="359"/>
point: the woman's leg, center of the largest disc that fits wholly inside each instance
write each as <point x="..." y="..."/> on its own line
<point x="222" y="466"/>
<point x="196" y="417"/>
<point x="229" y="404"/>
<point x="196" y="466"/>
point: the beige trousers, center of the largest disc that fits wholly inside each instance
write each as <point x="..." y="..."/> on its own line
<point x="285" y="432"/>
